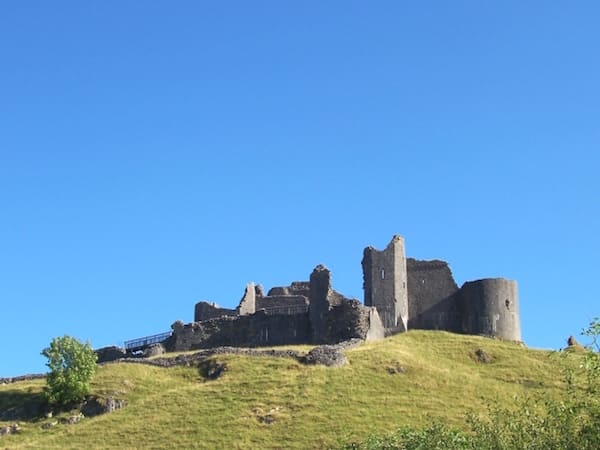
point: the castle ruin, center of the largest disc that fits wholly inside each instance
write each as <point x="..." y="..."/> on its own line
<point x="400" y="294"/>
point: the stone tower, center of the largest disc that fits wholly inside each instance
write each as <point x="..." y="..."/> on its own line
<point x="385" y="280"/>
<point x="491" y="307"/>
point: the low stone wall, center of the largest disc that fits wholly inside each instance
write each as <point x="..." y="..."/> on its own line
<point x="31" y="376"/>
<point x="328" y="355"/>
<point x="195" y="358"/>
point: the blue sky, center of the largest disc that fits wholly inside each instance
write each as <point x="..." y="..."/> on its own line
<point x="160" y="153"/>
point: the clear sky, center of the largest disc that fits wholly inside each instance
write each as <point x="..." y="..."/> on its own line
<point x="154" y="154"/>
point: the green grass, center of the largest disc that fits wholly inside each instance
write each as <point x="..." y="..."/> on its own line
<point x="310" y="406"/>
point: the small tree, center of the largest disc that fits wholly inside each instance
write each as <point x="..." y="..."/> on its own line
<point x="72" y="366"/>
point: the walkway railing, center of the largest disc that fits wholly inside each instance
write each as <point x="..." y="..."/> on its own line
<point x="139" y="343"/>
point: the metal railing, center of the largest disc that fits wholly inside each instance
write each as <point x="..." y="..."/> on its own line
<point x="145" y="341"/>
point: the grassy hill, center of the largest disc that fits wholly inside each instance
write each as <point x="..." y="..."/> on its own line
<point x="262" y="402"/>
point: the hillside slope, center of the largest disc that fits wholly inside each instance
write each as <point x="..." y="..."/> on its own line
<point x="262" y="402"/>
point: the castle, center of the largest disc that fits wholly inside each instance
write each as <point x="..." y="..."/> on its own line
<point x="399" y="294"/>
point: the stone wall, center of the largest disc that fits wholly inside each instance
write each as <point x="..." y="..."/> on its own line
<point x="304" y="312"/>
<point x="347" y="320"/>
<point x="432" y="296"/>
<point x="281" y="303"/>
<point x="296" y="288"/>
<point x="351" y="320"/>
<point x="259" y="329"/>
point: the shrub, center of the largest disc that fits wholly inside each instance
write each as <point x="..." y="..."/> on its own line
<point x="72" y="365"/>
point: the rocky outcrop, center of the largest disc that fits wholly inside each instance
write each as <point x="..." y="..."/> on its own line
<point x="326" y="355"/>
<point x="573" y="345"/>
<point x="10" y="429"/>
<point x="72" y="420"/>
<point x="211" y="369"/>
<point x="153" y="350"/>
<point x="111" y="353"/>
<point x="481" y="356"/>
<point x="95" y="406"/>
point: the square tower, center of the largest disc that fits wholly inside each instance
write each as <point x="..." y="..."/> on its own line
<point x="384" y="276"/>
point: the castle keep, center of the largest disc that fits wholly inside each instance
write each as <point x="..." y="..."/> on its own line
<point x="400" y="294"/>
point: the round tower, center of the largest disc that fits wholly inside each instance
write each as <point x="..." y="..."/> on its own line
<point x="490" y="307"/>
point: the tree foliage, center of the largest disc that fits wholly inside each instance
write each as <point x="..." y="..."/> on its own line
<point x="72" y="365"/>
<point x="571" y="422"/>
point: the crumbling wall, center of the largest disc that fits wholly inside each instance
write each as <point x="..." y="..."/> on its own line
<point x="491" y="307"/>
<point x="335" y="318"/>
<point x="259" y="329"/>
<point x="432" y="296"/>
<point x="300" y="288"/>
<point x="351" y="320"/>
<point x="296" y="288"/>
<point x="291" y="299"/>
<point x="347" y="320"/>
<point x="285" y="316"/>
<point x="205" y="310"/>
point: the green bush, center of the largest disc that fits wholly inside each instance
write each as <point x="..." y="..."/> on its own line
<point x="72" y="365"/>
